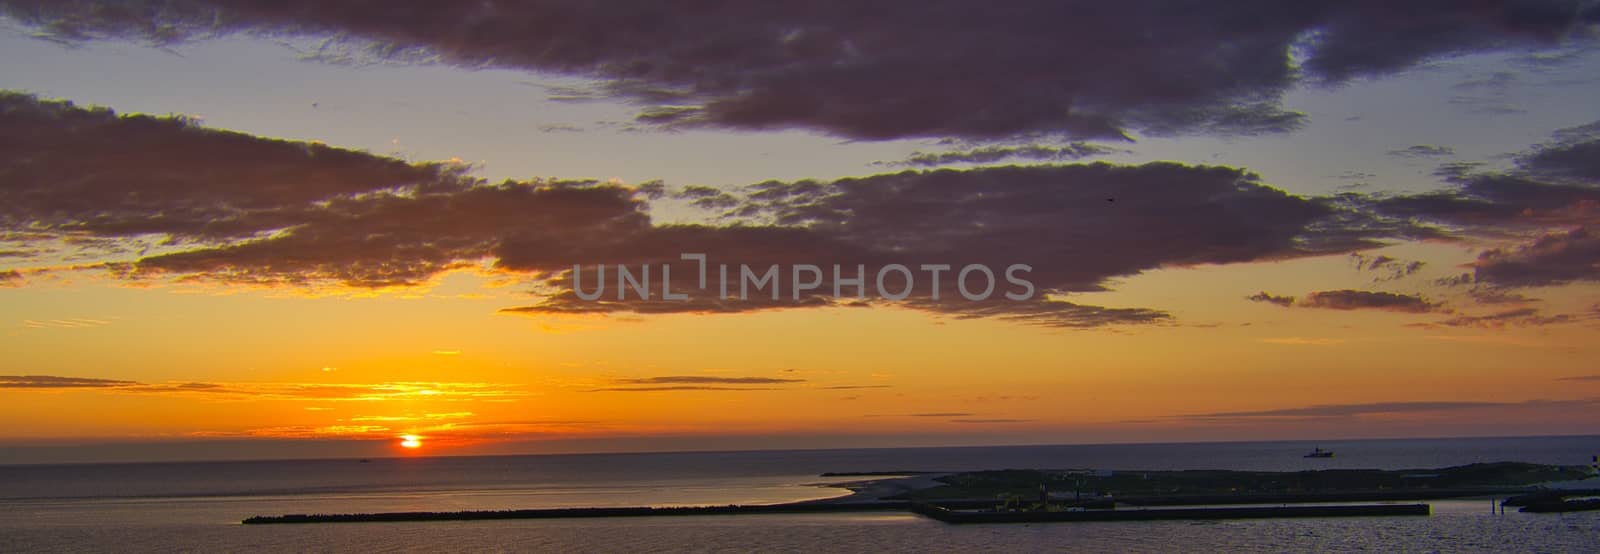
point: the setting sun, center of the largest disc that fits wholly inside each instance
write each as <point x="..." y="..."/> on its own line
<point x="410" y="441"/>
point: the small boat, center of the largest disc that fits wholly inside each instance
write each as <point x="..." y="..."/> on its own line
<point x="366" y="461"/>
<point x="1320" y="453"/>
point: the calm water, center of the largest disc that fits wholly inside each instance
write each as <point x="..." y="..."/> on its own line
<point x="196" y="506"/>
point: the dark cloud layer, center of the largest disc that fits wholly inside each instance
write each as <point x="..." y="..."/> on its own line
<point x="1552" y="260"/>
<point x="1553" y="185"/>
<point x="1075" y="225"/>
<point x="881" y="70"/>
<point x="390" y="240"/>
<point x="1574" y="153"/>
<point x="1082" y="222"/>
<point x="268" y="212"/>
<point x="93" y="173"/>
<point x="1487" y="202"/>
<point x="233" y="208"/>
<point x="1556" y="183"/>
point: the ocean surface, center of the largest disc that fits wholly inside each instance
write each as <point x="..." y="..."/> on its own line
<point x="196" y="506"/>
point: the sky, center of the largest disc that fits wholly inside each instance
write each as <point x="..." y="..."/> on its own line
<point x="246" y="229"/>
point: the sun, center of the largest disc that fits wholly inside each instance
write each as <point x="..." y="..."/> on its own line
<point x="410" y="441"/>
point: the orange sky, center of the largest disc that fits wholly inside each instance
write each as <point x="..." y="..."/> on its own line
<point x="215" y="363"/>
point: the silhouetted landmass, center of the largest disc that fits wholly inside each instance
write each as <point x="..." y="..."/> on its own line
<point x="1030" y="495"/>
<point x="1253" y="512"/>
<point x="1555" y="501"/>
<point x="1562" y="506"/>
<point x="1234" y="487"/>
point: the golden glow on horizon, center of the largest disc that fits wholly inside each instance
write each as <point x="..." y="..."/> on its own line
<point x="364" y="369"/>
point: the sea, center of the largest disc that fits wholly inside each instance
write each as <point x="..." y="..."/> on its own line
<point x="197" y="506"/>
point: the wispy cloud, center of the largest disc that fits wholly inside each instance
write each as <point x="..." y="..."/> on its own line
<point x="1273" y="299"/>
<point x="1302" y="341"/>
<point x="1384" y="408"/>
<point x="336" y="392"/>
<point x="701" y="379"/>
<point x="675" y="383"/>
<point x="56" y="382"/>
<point x="1349" y="299"/>
<point x="417" y="417"/>
<point x="992" y="154"/>
<point x="680" y="388"/>
<point x="1488" y="94"/>
<point x="66" y="323"/>
<point x="433" y="430"/>
<point x="1518" y="317"/>
<point x="1423" y="151"/>
<point x="1389" y="268"/>
<point x="927" y="415"/>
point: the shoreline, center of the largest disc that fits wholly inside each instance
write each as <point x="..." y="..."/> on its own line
<point x="942" y="496"/>
<point x="879" y="489"/>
